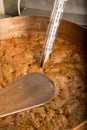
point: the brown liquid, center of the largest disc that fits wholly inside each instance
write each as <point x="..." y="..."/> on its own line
<point x="67" y="69"/>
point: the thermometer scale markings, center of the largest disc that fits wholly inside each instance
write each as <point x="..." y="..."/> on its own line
<point x="52" y="28"/>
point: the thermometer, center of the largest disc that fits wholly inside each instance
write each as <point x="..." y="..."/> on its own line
<point x="52" y="29"/>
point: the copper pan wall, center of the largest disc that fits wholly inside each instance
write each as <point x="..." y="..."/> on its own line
<point x="17" y="26"/>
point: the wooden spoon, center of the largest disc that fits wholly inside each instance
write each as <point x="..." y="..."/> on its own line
<point x="30" y="91"/>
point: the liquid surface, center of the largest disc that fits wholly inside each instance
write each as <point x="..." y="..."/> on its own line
<point x="67" y="69"/>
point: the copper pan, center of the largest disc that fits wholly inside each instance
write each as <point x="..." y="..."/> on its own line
<point x="17" y="26"/>
<point x="21" y="26"/>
